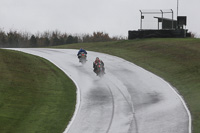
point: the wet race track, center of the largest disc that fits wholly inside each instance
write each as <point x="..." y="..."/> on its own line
<point x="127" y="99"/>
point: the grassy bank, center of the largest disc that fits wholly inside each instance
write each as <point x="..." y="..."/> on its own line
<point x="175" y="60"/>
<point x="35" y="96"/>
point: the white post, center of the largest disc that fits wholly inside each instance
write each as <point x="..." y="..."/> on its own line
<point x="177" y="7"/>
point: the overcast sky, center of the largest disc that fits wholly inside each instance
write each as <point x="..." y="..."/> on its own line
<point x="114" y="17"/>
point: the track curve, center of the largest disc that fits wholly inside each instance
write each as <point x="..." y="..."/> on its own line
<point x="127" y="99"/>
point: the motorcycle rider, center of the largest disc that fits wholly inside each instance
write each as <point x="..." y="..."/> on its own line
<point x="81" y="51"/>
<point x="96" y="63"/>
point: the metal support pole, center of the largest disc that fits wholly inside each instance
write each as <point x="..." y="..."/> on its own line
<point x="177" y="7"/>
<point x="141" y="20"/>
<point x="172" y="19"/>
<point x="162" y="18"/>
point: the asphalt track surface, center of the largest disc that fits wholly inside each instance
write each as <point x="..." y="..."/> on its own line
<point x="127" y="99"/>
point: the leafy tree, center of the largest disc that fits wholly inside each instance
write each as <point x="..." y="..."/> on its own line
<point x="71" y="39"/>
<point x="100" y="36"/>
<point x="12" y="38"/>
<point x="2" y="38"/>
<point x="46" y="41"/>
<point x="33" y="41"/>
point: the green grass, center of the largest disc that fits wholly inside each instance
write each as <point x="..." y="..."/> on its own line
<point x="35" y="96"/>
<point x="175" y="60"/>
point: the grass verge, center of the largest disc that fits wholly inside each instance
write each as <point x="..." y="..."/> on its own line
<point x="175" y="60"/>
<point x="35" y="96"/>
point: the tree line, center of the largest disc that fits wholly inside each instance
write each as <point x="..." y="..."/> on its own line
<point x="49" y="38"/>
